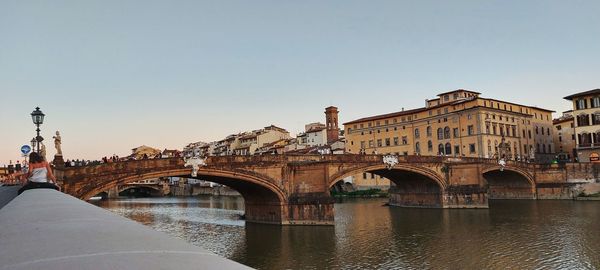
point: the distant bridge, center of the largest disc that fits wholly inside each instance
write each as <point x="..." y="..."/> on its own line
<point x="294" y="189"/>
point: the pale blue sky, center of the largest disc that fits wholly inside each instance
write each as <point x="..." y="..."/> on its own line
<point x="112" y="75"/>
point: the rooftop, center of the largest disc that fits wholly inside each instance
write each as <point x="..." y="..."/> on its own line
<point x="581" y="94"/>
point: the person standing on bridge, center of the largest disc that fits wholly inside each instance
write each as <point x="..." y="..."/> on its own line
<point x="39" y="174"/>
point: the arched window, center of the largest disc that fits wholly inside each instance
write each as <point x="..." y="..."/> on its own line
<point x="448" y="149"/>
<point x="429" y="146"/>
<point x="417" y="134"/>
<point x="585" y="139"/>
<point x="418" y="148"/>
<point x="583" y="120"/>
<point x="440" y="133"/>
<point x="596" y="118"/>
<point x="441" y="149"/>
<point x="428" y="131"/>
<point x="596" y="137"/>
<point x="446" y="133"/>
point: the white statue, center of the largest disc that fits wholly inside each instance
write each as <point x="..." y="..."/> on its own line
<point x="390" y="161"/>
<point x="43" y="150"/>
<point x="57" y="143"/>
<point x="195" y="163"/>
<point x="502" y="164"/>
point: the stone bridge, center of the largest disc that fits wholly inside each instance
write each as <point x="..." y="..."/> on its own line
<point x="294" y="189"/>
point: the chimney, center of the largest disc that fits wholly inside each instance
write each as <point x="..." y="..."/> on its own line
<point x="331" y="120"/>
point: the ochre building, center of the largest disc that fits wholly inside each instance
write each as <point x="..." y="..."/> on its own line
<point x="458" y="123"/>
<point x="586" y="113"/>
<point x="564" y="137"/>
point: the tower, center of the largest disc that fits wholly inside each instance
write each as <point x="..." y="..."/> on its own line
<point x="331" y="120"/>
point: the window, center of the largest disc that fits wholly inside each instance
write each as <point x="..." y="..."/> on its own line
<point x="470" y="130"/>
<point x="537" y="130"/>
<point x="494" y="129"/>
<point x="379" y="143"/>
<point x="583" y="120"/>
<point x="581" y="104"/>
<point x="455" y="131"/>
<point x="472" y="148"/>
<point x="429" y="132"/>
<point x="370" y="143"/>
<point x="456" y="150"/>
<point x="364" y="175"/>
<point x="387" y="142"/>
<point x="595" y="102"/>
<point x="596" y="118"/>
<point x="448" y="149"/>
<point x="429" y="146"/>
<point x="529" y="131"/>
<point x="395" y="140"/>
<point x="417" y="147"/>
<point x="440" y="133"/>
<point x="404" y="140"/>
<point x="440" y="149"/>
<point x="446" y="133"/>
<point x="362" y="144"/>
<point x="417" y="134"/>
<point x="487" y="129"/>
<point x="446" y="97"/>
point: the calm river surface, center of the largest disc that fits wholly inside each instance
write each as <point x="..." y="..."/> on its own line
<point x="367" y="235"/>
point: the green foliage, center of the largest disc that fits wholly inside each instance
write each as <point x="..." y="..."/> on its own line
<point x="583" y="194"/>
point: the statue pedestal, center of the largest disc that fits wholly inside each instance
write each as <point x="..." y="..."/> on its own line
<point x="58" y="161"/>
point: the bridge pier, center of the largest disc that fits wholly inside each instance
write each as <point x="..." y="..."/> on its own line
<point x="311" y="209"/>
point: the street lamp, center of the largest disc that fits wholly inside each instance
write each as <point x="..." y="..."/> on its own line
<point x="33" y="143"/>
<point x="38" y="118"/>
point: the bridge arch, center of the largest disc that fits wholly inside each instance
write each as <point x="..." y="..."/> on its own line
<point x="509" y="183"/>
<point x="381" y="169"/>
<point x="154" y="191"/>
<point x="264" y="201"/>
<point x="414" y="186"/>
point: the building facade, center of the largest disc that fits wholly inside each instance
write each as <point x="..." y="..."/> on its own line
<point x="457" y="123"/>
<point x="564" y="139"/>
<point x="586" y="115"/>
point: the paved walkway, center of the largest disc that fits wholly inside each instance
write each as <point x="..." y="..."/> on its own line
<point x="48" y="230"/>
<point x="7" y="193"/>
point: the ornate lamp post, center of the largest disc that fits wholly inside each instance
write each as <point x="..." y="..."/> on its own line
<point x="38" y="118"/>
<point x="33" y="143"/>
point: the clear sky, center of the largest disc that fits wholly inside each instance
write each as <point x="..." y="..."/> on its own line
<point x="113" y="75"/>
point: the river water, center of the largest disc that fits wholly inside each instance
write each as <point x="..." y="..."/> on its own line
<point x="367" y="235"/>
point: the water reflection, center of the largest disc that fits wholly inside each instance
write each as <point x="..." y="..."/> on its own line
<point x="367" y="235"/>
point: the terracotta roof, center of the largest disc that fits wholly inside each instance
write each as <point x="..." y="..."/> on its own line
<point x="388" y="115"/>
<point x="459" y="90"/>
<point x="562" y="120"/>
<point x="451" y="103"/>
<point x="586" y="93"/>
<point x="315" y="129"/>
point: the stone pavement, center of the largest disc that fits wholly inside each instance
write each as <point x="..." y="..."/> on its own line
<point x="7" y="194"/>
<point x="46" y="229"/>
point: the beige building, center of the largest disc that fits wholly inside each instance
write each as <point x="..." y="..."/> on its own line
<point x="586" y="113"/>
<point x="564" y="139"/>
<point x="457" y="123"/>
<point x="250" y="142"/>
